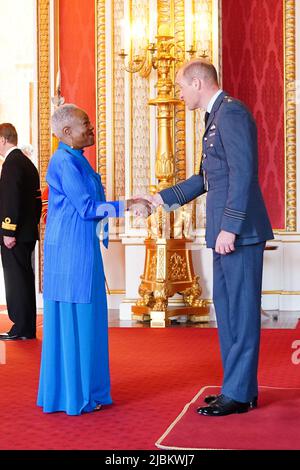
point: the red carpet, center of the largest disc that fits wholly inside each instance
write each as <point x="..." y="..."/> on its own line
<point x="154" y="372"/>
<point x="273" y="425"/>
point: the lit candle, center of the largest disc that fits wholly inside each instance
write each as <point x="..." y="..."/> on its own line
<point x="58" y="80"/>
<point x="122" y="34"/>
<point x="189" y="33"/>
<point x="203" y="31"/>
<point x="152" y="21"/>
<point x="138" y="37"/>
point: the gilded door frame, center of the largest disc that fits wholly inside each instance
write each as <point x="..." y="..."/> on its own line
<point x="44" y="87"/>
<point x="290" y="116"/>
<point x="47" y="64"/>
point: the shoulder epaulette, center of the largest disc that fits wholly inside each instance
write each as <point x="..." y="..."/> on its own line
<point x="228" y="99"/>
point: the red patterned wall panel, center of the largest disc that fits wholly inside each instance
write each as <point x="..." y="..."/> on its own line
<point x="253" y="71"/>
<point x="77" y="57"/>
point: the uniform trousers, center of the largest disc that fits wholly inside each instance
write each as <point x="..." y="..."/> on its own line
<point x="237" y="300"/>
<point x="20" y="288"/>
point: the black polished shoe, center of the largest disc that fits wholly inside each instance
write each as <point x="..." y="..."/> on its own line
<point x="9" y="337"/>
<point x="209" y="399"/>
<point x="224" y="406"/>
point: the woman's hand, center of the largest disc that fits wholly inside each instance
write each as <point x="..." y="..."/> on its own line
<point x="140" y="206"/>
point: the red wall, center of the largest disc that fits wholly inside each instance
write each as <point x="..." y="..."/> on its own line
<point x="77" y="57"/>
<point x="253" y="71"/>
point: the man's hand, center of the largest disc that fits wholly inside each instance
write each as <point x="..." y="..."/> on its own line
<point x="144" y="205"/>
<point x="9" y="242"/>
<point x="225" y="242"/>
<point x="154" y="199"/>
<point x="139" y="206"/>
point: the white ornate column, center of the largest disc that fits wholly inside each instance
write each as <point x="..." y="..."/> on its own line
<point x="140" y="147"/>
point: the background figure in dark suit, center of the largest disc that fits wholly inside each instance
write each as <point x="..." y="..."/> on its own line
<point x="20" y="211"/>
<point x="237" y="229"/>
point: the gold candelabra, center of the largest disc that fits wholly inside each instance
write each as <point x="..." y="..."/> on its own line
<point x="168" y="265"/>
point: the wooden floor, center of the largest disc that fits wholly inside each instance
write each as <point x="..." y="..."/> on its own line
<point x="269" y="319"/>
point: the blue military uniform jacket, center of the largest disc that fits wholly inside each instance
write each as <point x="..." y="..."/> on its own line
<point x="229" y="174"/>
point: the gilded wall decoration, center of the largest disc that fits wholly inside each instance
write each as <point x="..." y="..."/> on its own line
<point x="140" y="158"/>
<point x="290" y="115"/>
<point x="44" y="106"/>
<point x="101" y="89"/>
<point x="118" y="104"/>
<point x="179" y="112"/>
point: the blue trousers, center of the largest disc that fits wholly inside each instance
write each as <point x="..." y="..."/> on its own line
<point x="237" y="299"/>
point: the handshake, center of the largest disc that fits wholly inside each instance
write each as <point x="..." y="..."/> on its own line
<point x="143" y="205"/>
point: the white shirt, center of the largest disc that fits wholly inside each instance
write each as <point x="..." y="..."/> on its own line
<point x="9" y="151"/>
<point x="212" y="101"/>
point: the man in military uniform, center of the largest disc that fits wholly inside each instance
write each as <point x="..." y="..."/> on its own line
<point x="20" y="211"/>
<point x="237" y="229"/>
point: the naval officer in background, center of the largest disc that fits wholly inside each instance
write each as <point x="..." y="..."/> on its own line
<point x="20" y="211"/>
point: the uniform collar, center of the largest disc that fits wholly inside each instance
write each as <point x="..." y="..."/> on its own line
<point x="76" y="152"/>
<point x="213" y="100"/>
<point x="216" y="105"/>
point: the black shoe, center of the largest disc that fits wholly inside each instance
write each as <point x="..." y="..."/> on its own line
<point x="10" y="337"/>
<point x="209" y="399"/>
<point x="224" y="406"/>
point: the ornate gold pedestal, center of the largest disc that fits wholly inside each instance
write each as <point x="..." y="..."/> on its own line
<point x="168" y="265"/>
<point x="169" y="270"/>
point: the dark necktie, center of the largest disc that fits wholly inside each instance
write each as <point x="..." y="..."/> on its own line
<point x="206" y="118"/>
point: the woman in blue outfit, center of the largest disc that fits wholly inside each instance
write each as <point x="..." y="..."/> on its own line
<point x="74" y="375"/>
